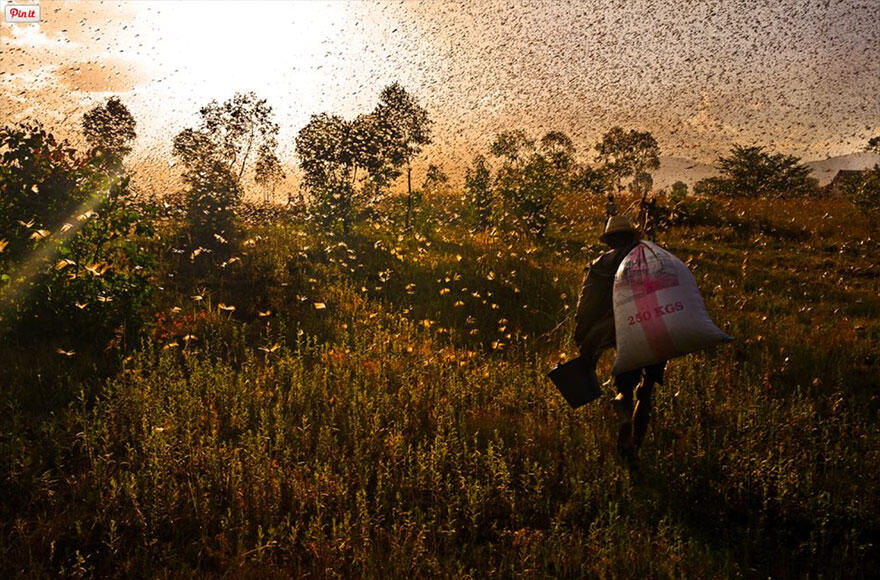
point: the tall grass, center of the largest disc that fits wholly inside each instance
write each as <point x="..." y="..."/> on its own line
<point x="406" y="428"/>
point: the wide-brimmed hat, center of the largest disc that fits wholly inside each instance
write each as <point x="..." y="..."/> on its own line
<point x="617" y="224"/>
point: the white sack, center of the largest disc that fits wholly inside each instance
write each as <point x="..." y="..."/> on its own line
<point x="658" y="311"/>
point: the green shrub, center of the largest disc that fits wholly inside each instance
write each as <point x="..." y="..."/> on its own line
<point x="694" y="211"/>
<point x="42" y="182"/>
<point x="77" y="259"/>
<point x="865" y="191"/>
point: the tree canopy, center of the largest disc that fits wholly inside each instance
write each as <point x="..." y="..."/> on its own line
<point x="532" y="174"/>
<point x="628" y="153"/>
<point x="327" y="150"/>
<point x="406" y="127"/>
<point x="229" y="132"/>
<point x="512" y="146"/>
<point x="347" y="164"/>
<point x="215" y="155"/>
<point x="753" y="172"/>
<point x="406" y="123"/>
<point x="110" y="128"/>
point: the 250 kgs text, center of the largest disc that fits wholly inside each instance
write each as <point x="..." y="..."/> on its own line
<point x="659" y="311"/>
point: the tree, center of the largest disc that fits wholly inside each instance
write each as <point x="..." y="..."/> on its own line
<point x="864" y="191"/>
<point x="326" y="148"/>
<point x="238" y="127"/>
<point x="212" y="194"/>
<point x="478" y="191"/>
<point x="641" y="184"/>
<point x="195" y="149"/>
<point x="347" y="164"/>
<point x="542" y="183"/>
<point x="268" y="172"/>
<point x="350" y="164"/>
<point x="435" y="179"/>
<point x="435" y="176"/>
<point x="628" y="153"/>
<point x="512" y="146"/>
<point x="530" y="178"/>
<point x="752" y="172"/>
<point x="559" y="150"/>
<point x="588" y="179"/>
<point x="376" y="155"/>
<point x="679" y="190"/>
<point x="407" y="125"/>
<point x="214" y="157"/>
<point x="110" y="128"/>
<point x="212" y="191"/>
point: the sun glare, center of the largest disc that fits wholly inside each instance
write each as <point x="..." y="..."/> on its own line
<point x="202" y="51"/>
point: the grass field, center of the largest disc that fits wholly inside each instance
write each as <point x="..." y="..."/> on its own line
<point x="376" y="406"/>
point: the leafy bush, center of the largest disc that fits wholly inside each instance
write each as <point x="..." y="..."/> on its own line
<point x="210" y="201"/>
<point x="752" y="172"/>
<point x="865" y="191"/>
<point x="678" y="191"/>
<point x="712" y="187"/>
<point x="694" y="211"/>
<point x="75" y="258"/>
<point x="42" y="183"/>
<point x="478" y="191"/>
<point x="101" y="278"/>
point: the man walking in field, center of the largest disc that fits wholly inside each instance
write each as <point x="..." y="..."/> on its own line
<point x="594" y="332"/>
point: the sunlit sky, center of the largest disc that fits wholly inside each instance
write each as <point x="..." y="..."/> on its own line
<point x="800" y="77"/>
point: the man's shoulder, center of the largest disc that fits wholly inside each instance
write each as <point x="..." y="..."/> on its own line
<point x="606" y="264"/>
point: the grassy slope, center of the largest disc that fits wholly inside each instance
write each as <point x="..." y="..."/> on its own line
<point x="407" y="427"/>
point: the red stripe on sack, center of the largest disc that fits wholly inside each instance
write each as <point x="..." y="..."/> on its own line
<point x="655" y="329"/>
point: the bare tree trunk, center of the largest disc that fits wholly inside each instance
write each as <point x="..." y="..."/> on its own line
<point x="408" y="194"/>
<point x="246" y="153"/>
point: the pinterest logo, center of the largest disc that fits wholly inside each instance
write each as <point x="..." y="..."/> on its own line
<point x="23" y="13"/>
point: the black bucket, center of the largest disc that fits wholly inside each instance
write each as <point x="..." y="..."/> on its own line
<point x="577" y="381"/>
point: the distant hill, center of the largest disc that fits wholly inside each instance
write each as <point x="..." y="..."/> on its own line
<point x="674" y="169"/>
<point x="826" y="169"/>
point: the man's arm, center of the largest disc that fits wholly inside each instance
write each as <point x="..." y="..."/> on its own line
<point x="592" y="301"/>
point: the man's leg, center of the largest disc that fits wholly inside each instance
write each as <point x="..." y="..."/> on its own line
<point x="642" y="413"/>
<point x="623" y="404"/>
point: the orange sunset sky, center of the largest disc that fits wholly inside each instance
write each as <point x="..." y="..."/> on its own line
<point x="800" y="77"/>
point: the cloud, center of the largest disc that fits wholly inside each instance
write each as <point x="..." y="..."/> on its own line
<point x="33" y="37"/>
<point x="57" y="69"/>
